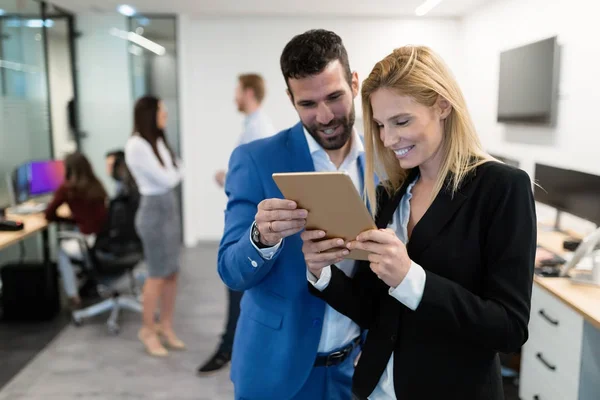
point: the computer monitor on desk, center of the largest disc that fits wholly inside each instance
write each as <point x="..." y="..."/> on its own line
<point x="32" y="181"/>
<point x="573" y="192"/>
<point x="45" y="177"/>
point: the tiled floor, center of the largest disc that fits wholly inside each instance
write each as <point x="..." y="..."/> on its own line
<point x="88" y="363"/>
<point x="21" y="342"/>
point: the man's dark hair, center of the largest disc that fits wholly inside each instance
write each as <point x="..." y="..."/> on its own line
<point x="309" y="53"/>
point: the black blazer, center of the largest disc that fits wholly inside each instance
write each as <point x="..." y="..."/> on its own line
<point x="477" y="249"/>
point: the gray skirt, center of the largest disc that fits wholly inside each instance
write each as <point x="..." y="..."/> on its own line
<point x="159" y="227"/>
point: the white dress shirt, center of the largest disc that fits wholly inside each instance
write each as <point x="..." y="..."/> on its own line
<point x="151" y="177"/>
<point x="256" y="126"/>
<point x="338" y="330"/>
<point x="409" y="292"/>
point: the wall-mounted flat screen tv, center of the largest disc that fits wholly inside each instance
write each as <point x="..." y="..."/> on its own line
<point x="528" y="84"/>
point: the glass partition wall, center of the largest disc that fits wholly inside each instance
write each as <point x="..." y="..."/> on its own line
<point x="24" y="108"/>
<point x="36" y="83"/>
<point x="35" y="72"/>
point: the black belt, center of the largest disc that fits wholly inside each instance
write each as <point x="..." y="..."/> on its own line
<point x="337" y="357"/>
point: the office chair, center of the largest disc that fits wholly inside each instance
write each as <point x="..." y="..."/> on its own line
<point x="114" y="255"/>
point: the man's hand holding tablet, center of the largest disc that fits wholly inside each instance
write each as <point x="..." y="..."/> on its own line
<point x="277" y="219"/>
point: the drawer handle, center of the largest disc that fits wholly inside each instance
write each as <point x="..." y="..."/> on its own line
<point x="547" y="318"/>
<point x="546" y="363"/>
<point x="536" y="397"/>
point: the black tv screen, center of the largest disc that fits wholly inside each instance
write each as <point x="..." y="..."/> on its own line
<point x="573" y="192"/>
<point x="528" y="83"/>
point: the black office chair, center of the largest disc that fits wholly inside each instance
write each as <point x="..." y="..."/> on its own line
<point x="114" y="255"/>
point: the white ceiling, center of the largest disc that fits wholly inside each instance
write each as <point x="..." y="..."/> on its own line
<point x="365" y="8"/>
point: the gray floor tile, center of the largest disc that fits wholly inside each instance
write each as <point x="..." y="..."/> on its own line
<point x="89" y="363"/>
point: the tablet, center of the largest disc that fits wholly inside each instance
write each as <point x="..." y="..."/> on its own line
<point x="333" y="204"/>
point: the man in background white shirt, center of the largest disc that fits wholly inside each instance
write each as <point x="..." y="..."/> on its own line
<point x="249" y="95"/>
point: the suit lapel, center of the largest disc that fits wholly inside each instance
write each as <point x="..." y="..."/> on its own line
<point x="436" y="217"/>
<point x="299" y="155"/>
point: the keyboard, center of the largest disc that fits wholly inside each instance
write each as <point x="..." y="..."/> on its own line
<point x="29" y="208"/>
<point x="547" y="263"/>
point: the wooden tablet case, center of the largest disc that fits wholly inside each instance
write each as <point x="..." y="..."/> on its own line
<point x="333" y="203"/>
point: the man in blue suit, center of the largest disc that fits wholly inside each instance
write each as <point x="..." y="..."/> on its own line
<point x="289" y="344"/>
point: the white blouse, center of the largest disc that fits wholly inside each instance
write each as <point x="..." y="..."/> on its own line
<point x="151" y="177"/>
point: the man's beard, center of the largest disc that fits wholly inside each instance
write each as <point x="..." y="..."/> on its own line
<point x="339" y="140"/>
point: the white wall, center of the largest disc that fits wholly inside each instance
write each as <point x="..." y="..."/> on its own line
<point x="61" y="92"/>
<point x="503" y="25"/>
<point x="105" y="87"/>
<point x="213" y="51"/>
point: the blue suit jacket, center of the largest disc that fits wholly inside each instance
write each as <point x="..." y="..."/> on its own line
<point x="279" y="328"/>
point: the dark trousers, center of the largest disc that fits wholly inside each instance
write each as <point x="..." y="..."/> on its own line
<point x="233" y="314"/>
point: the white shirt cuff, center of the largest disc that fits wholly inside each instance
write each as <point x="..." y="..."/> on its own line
<point x="323" y="281"/>
<point x="268" y="252"/>
<point x="410" y="291"/>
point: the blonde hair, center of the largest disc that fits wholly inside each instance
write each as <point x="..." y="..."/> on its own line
<point x="417" y="72"/>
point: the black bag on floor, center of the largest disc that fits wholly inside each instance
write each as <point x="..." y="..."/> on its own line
<point x="29" y="292"/>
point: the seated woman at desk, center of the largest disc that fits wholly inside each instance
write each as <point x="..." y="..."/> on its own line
<point x="448" y="282"/>
<point x="87" y="201"/>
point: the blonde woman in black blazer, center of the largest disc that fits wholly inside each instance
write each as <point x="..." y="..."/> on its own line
<point x="448" y="283"/>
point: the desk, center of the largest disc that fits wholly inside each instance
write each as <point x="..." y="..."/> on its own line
<point x="33" y="223"/>
<point x="561" y="359"/>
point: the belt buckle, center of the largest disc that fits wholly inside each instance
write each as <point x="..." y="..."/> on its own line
<point x="333" y="357"/>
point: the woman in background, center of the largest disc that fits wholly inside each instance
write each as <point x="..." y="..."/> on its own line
<point x="447" y="285"/>
<point x="87" y="200"/>
<point x="156" y="172"/>
<point x="116" y="167"/>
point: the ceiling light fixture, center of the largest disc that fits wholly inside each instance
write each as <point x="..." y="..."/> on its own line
<point x="427" y="6"/>
<point x="126" y="10"/>
<point x="139" y="40"/>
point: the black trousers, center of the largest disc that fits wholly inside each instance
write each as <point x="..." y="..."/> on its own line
<point x="233" y="314"/>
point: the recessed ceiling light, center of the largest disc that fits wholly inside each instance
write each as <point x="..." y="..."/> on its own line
<point x="427" y="6"/>
<point x="126" y="10"/>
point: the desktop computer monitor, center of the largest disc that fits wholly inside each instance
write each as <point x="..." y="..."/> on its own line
<point x="45" y="177"/>
<point x="35" y="179"/>
<point x="573" y="192"/>
<point x="21" y="184"/>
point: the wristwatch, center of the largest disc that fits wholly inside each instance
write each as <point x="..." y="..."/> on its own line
<point x="255" y="234"/>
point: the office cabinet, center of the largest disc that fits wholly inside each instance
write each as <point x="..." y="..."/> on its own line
<point x="561" y="358"/>
<point x="551" y="358"/>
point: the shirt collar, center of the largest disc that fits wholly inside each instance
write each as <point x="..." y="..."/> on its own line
<point x="356" y="150"/>
<point x="252" y="115"/>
